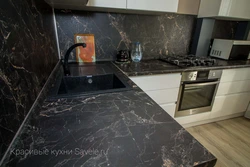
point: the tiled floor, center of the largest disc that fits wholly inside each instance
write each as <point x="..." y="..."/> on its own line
<point x="228" y="140"/>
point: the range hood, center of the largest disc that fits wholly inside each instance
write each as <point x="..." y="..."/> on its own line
<point x="68" y="4"/>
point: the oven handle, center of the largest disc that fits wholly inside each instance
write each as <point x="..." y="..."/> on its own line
<point x="202" y="84"/>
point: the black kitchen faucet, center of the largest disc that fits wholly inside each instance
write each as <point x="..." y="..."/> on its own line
<point x="66" y="57"/>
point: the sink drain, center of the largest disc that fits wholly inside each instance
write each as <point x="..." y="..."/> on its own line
<point x="90" y="81"/>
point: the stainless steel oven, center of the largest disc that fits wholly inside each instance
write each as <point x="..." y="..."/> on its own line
<point x="197" y="92"/>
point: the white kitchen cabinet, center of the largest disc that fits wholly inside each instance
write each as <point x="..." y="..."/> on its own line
<point x="188" y="7"/>
<point x="239" y="74"/>
<point x="226" y="88"/>
<point x="129" y="6"/>
<point x="169" y="108"/>
<point x="156" y="5"/>
<point x="164" y="96"/>
<point x="119" y="4"/>
<point x="227" y="9"/>
<point x="157" y="82"/>
<point x="233" y="94"/>
<point x="163" y="89"/>
<point x="230" y="104"/>
<point x="234" y="81"/>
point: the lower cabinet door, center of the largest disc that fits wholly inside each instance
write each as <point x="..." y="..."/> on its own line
<point x="230" y="104"/>
<point x="169" y="108"/>
<point x="164" y="96"/>
<point x="226" y="88"/>
<point x="157" y="82"/>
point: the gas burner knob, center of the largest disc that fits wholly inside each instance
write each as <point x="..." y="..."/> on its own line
<point x="191" y="76"/>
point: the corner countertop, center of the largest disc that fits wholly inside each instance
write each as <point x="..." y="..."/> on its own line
<point x="153" y="67"/>
<point x="121" y="129"/>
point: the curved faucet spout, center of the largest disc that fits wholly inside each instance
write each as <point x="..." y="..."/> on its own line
<point x="66" y="57"/>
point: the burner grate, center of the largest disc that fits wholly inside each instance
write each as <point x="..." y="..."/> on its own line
<point x="189" y="61"/>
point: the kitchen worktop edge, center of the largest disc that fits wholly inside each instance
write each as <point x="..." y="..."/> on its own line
<point x="155" y="67"/>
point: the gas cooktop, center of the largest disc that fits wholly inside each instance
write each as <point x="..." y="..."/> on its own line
<point x="189" y="61"/>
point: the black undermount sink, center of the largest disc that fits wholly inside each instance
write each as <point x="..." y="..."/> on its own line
<point x="75" y="85"/>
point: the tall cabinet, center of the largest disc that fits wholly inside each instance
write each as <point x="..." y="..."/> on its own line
<point x="230" y="9"/>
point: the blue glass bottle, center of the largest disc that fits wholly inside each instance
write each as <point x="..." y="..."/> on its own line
<point x="136" y="52"/>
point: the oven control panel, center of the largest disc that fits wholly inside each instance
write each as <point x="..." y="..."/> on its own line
<point x="189" y="76"/>
<point x="201" y="75"/>
<point x="192" y="76"/>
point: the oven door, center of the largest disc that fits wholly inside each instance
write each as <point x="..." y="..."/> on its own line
<point x="196" y="97"/>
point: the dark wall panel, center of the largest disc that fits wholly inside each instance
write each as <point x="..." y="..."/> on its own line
<point x="27" y="56"/>
<point x="159" y="35"/>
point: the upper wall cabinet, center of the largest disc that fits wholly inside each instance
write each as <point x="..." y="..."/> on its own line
<point x="188" y="7"/>
<point x="225" y="9"/>
<point x="153" y="5"/>
<point x="119" y="4"/>
<point x="125" y="6"/>
<point x="68" y="4"/>
<point x="88" y="4"/>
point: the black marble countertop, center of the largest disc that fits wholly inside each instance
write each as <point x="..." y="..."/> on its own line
<point x="121" y="129"/>
<point x="153" y="67"/>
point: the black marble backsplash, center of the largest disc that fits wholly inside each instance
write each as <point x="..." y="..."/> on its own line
<point x="27" y="56"/>
<point x="159" y="35"/>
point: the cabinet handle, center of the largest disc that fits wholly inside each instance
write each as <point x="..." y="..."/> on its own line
<point x="202" y="84"/>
